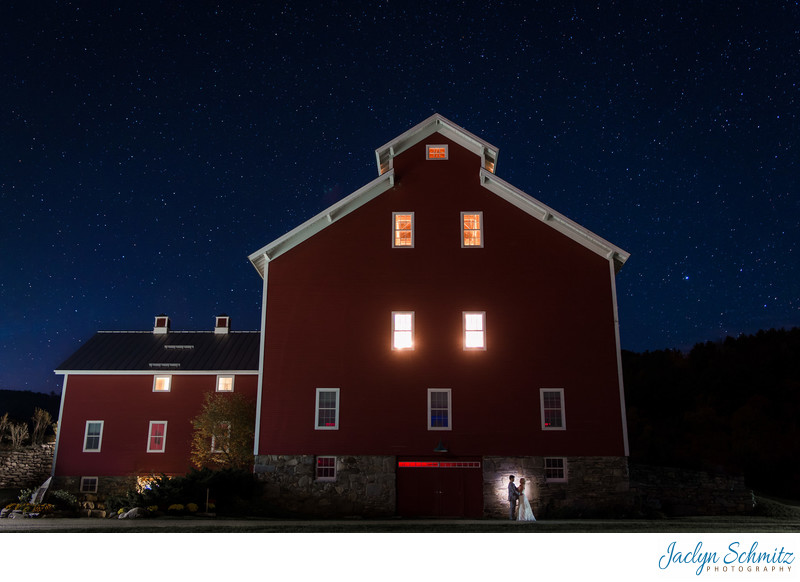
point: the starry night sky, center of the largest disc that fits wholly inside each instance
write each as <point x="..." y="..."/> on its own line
<point x="147" y="149"/>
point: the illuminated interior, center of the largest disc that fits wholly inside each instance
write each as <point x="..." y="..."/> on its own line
<point x="436" y="152"/>
<point x="402" y="330"/>
<point x="471" y="228"/>
<point x="474" y="332"/>
<point x="403" y="230"/>
<point x="161" y="384"/>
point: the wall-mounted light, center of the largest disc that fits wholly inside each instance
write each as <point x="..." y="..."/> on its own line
<point x="440" y="448"/>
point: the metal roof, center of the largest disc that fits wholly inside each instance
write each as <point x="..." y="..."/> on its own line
<point x="176" y="351"/>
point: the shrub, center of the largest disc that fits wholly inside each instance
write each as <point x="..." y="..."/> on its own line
<point x="18" y="433"/>
<point x="63" y="499"/>
<point x="41" y="422"/>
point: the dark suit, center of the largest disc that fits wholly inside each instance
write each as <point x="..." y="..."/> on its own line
<point x="513" y="495"/>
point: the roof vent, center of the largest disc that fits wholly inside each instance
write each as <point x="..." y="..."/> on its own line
<point x="223" y="324"/>
<point x="162" y="324"/>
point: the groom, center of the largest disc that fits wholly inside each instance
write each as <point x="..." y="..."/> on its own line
<point x="513" y="495"/>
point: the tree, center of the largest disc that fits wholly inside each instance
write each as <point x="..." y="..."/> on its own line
<point x="223" y="432"/>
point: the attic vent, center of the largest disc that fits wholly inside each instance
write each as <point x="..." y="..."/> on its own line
<point x="161" y="366"/>
<point x="178" y="347"/>
<point x="436" y="152"/>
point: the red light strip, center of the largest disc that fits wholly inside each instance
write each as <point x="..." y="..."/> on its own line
<point x="439" y="465"/>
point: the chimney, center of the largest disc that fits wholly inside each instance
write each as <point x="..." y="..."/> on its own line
<point x="162" y="324"/>
<point x="223" y="324"/>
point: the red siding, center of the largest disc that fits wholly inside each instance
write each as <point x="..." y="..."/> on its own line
<point x="127" y="404"/>
<point x="549" y="319"/>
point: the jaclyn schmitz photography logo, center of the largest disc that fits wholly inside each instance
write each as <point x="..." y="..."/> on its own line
<point x="735" y="557"/>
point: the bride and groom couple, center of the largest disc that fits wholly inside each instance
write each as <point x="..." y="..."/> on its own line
<point x="525" y="513"/>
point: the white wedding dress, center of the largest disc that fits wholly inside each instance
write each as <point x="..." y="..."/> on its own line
<point x="524" y="513"/>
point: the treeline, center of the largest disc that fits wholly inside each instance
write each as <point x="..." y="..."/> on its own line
<point x="727" y="406"/>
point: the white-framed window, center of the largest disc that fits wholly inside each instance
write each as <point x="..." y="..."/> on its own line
<point x="555" y="469"/>
<point x="436" y="151"/>
<point x="472" y="230"/>
<point x="162" y="383"/>
<point x="403" y="230"/>
<point x="326" y="416"/>
<point x="89" y="484"/>
<point x="225" y="383"/>
<point x="474" y="330"/>
<point x="552" y="405"/>
<point x="402" y="330"/>
<point x="221" y="438"/>
<point x="157" y="436"/>
<point x="326" y="468"/>
<point x="93" y="436"/>
<point x="439" y="409"/>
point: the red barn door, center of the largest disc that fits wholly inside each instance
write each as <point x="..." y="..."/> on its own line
<point x="436" y="488"/>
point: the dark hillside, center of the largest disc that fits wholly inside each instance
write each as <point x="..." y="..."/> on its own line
<point x="730" y="406"/>
<point x="20" y="404"/>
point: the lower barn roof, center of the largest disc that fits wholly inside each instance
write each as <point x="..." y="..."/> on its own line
<point x="176" y="351"/>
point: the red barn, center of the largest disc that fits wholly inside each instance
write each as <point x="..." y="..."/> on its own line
<point x="129" y="397"/>
<point x="432" y="333"/>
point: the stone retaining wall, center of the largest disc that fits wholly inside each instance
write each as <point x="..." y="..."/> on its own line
<point x="680" y="492"/>
<point x="364" y="486"/>
<point x="594" y="487"/>
<point x="26" y="467"/>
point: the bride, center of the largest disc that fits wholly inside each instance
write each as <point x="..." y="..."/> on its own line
<point x="525" y="512"/>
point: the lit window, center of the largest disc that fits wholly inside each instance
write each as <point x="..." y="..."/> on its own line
<point x="402" y="330"/>
<point x="326" y="468"/>
<point x="436" y="152"/>
<point x="327" y="409"/>
<point x="221" y="438"/>
<point x="439" y="409"/>
<point x="403" y="229"/>
<point x="552" y="401"/>
<point x="157" y="436"/>
<point x="88" y="484"/>
<point x="93" y="437"/>
<point x="555" y="469"/>
<point x="224" y="383"/>
<point x="162" y="383"/>
<point x="472" y="229"/>
<point x="474" y="330"/>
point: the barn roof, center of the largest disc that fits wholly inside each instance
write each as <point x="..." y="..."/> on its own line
<point x="173" y="352"/>
<point x="488" y="154"/>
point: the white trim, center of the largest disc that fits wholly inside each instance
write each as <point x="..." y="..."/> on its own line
<point x="481" y="232"/>
<point x="430" y="146"/>
<point x="316" y="410"/>
<point x="619" y="361"/>
<point x="412" y="347"/>
<point x="223" y="376"/>
<point x="464" y="315"/>
<point x="385" y="181"/>
<point x="322" y="220"/>
<point x="563" y="479"/>
<point x="554" y="219"/>
<point x="395" y="230"/>
<point x="259" y="391"/>
<point x="449" y="393"/>
<point x="99" y="437"/>
<point x="96" y="484"/>
<point x="335" y="468"/>
<point x="167" y="377"/>
<point x="563" y="408"/>
<point x="150" y="435"/>
<point x="58" y="432"/>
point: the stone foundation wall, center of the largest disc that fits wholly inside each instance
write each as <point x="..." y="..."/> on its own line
<point x="93" y="504"/>
<point x="26" y="467"/>
<point x="364" y="486"/>
<point x="680" y="492"/>
<point x="595" y="486"/>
